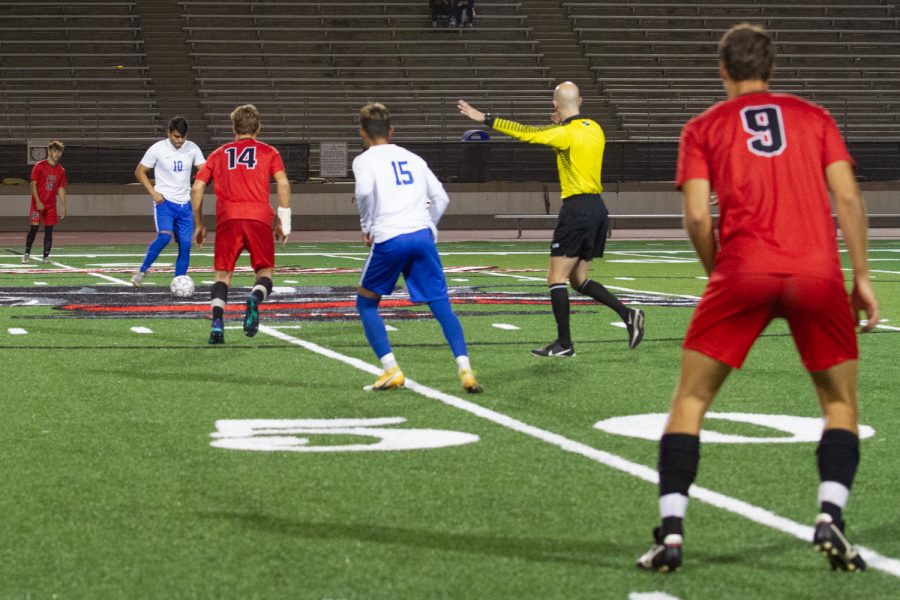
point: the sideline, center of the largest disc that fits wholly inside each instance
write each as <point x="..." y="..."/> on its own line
<point x="756" y="514"/>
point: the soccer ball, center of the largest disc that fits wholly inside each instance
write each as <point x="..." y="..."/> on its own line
<point x="182" y="286"/>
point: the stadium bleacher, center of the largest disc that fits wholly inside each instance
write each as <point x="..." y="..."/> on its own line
<point x="646" y="66"/>
<point x="656" y="61"/>
<point x="77" y="71"/>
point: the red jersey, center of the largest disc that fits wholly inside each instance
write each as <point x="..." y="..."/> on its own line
<point x="241" y="172"/>
<point x="765" y="156"/>
<point x="49" y="179"/>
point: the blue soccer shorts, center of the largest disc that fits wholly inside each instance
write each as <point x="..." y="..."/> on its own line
<point x="177" y="218"/>
<point x="414" y="255"/>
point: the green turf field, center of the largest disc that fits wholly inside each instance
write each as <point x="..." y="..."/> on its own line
<point x="139" y="462"/>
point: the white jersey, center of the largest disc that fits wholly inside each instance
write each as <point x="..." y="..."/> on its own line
<point x="396" y="193"/>
<point x="172" y="168"/>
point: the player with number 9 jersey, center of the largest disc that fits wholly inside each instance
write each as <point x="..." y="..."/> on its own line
<point x="774" y="160"/>
<point x="764" y="154"/>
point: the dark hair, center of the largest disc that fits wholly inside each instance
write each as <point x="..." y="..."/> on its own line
<point x="179" y="124"/>
<point x="747" y="52"/>
<point x="375" y="120"/>
<point x="56" y="145"/>
<point x="245" y="120"/>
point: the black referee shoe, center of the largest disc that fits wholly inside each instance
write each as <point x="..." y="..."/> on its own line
<point x="635" y="326"/>
<point x="555" y="349"/>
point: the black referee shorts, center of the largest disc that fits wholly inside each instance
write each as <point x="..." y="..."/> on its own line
<point x="582" y="227"/>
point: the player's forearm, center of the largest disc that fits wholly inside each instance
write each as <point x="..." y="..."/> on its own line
<point x="704" y="242"/>
<point x="141" y="175"/>
<point x="698" y="221"/>
<point x="853" y="222"/>
<point x="197" y="191"/>
<point x="365" y="213"/>
<point x="548" y="136"/>
<point x="851" y="212"/>
<point x="283" y="188"/>
<point x="439" y="204"/>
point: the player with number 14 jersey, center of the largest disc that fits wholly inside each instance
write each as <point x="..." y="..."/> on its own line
<point x="242" y="171"/>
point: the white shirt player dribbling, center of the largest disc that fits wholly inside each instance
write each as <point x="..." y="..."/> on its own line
<point x="172" y="168"/>
<point x="397" y="193"/>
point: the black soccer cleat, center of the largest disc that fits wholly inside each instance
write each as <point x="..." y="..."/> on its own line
<point x="829" y="540"/>
<point x="634" y="323"/>
<point x="664" y="555"/>
<point x="555" y="349"/>
<point x="217" y="333"/>
<point x="251" y="316"/>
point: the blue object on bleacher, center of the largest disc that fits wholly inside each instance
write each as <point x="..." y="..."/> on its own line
<point x="476" y="135"/>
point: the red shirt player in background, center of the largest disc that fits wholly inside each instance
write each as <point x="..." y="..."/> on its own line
<point x="771" y="158"/>
<point x="241" y="171"/>
<point x="48" y="180"/>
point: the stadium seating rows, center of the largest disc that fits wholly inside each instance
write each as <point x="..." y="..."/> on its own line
<point x="310" y="64"/>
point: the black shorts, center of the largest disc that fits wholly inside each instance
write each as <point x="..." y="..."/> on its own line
<point x="582" y="227"/>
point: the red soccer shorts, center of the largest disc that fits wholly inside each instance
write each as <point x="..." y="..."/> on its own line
<point x="735" y="309"/>
<point x="236" y="235"/>
<point x="48" y="215"/>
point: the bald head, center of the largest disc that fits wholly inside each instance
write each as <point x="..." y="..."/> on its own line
<point x="567" y="97"/>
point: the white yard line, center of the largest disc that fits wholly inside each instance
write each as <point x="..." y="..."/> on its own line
<point x="344" y="256"/>
<point x="100" y="275"/>
<point x="111" y="279"/>
<point x="648" y="474"/>
<point x="612" y="287"/>
<point x="876" y="271"/>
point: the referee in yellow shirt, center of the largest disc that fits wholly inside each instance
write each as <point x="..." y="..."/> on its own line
<point x="580" y="234"/>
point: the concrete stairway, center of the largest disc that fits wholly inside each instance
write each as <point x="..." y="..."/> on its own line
<point x="169" y="64"/>
<point x="563" y="56"/>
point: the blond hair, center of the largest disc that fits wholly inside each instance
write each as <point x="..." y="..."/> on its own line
<point x="245" y="120"/>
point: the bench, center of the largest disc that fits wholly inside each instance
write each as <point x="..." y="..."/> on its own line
<point x="887" y="219"/>
<point x="612" y="219"/>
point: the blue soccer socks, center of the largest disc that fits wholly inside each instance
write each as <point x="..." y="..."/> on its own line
<point x="373" y="325"/>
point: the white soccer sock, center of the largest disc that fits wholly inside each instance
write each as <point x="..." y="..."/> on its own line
<point x="833" y="492"/>
<point x="388" y="361"/>
<point x="463" y="363"/>
<point x="673" y="505"/>
<point x="261" y="288"/>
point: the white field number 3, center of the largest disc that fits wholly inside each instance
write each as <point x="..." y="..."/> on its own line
<point x="285" y="435"/>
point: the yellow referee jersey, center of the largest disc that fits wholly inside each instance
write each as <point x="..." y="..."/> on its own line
<point x="578" y="142"/>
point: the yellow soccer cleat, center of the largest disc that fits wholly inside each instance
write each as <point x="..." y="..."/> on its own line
<point x="391" y="379"/>
<point x="468" y="381"/>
